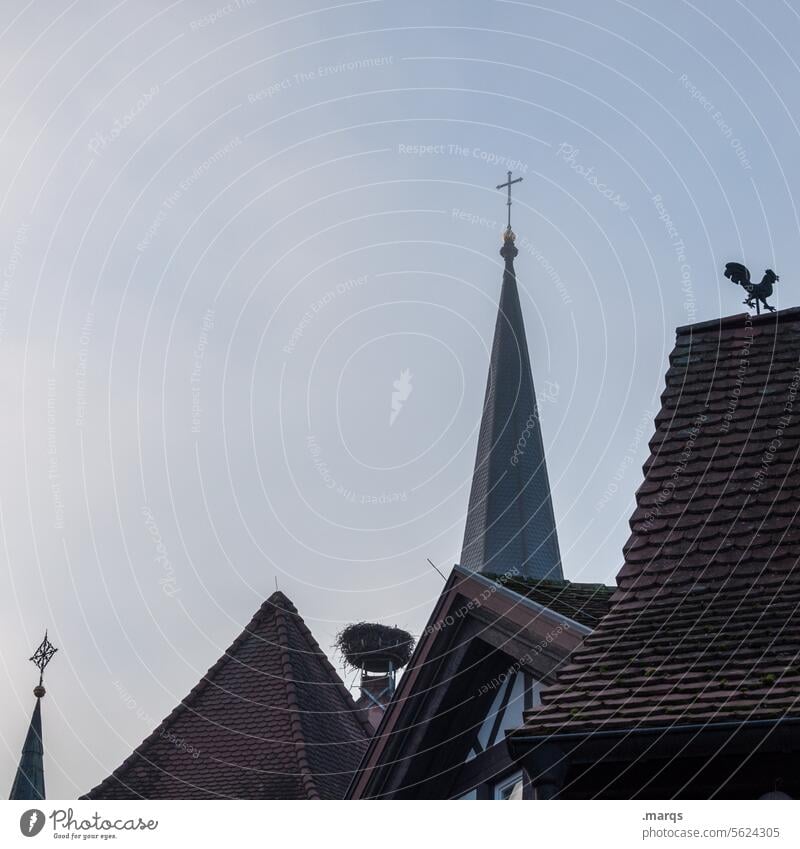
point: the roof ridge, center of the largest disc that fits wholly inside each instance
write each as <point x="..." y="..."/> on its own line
<point x="737" y="319"/>
<point x="295" y="720"/>
<point x="330" y="670"/>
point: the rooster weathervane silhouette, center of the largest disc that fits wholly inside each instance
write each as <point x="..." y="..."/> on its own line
<point x="757" y="293"/>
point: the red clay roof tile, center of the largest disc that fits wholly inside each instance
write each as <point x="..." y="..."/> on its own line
<point x="705" y="623"/>
<point x="270" y="720"/>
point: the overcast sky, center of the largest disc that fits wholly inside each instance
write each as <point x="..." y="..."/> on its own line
<point x="227" y="230"/>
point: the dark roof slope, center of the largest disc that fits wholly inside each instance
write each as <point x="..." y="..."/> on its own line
<point x="705" y="623"/>
<point x="29" y="780"/>
<point x="510" y="515"/>
<point x="584" y="603"/>
<point x="270" y="720"/>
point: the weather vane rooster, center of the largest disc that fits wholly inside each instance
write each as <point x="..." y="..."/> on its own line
<point x="757" y="293"/>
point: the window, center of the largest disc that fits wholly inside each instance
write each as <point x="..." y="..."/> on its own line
<point x="470" y="794"/>
<point x="509" y="788"/>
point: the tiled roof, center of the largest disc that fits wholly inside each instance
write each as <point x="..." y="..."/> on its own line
<point x="584" y="603"/>
<point x="510" y="514"/>
<point x="270" y="720"/>
<point x="705" y="623"/>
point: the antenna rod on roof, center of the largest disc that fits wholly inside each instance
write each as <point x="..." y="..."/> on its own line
<point x="436" y="567"/>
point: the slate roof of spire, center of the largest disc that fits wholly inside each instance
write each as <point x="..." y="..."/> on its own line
<point x="705" y="623"/>
<point x="510" y="519"/>
<point x="29" y="780"/>
<point x="270" y="720"/>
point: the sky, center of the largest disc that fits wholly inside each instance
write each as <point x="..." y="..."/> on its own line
<point x="228" y="230"/>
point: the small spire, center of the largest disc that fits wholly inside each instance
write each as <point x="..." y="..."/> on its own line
<point x="29" y="780"/>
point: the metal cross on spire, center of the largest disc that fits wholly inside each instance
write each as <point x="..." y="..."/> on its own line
<point x="43" y="655"/>
<point x="508" y="184"/>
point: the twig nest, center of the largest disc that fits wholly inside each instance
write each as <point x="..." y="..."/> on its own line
<point x="374" y="647"/>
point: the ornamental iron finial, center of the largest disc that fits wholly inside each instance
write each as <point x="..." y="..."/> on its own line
<point x="509" y="233"/>
<point x="41" y="657"/>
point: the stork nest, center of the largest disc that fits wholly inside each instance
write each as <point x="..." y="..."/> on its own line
<point x="367" y="645"/>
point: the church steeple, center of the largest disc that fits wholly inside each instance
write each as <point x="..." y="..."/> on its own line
<point x="29" y="780"/>
<point x="510" y="522"/>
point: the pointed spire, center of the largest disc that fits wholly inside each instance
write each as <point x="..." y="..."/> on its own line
<point x="510" y="522"/>
<point x="29" y="780"/>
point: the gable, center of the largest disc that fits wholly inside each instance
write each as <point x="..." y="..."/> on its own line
<point x="479" y="637"/>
